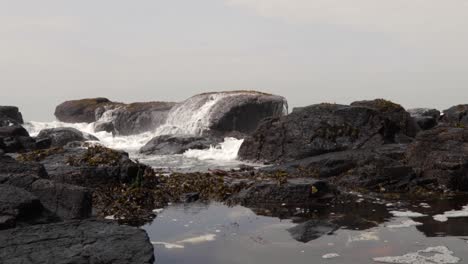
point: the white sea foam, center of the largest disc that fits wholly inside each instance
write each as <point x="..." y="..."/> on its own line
<point x="405" y="223"/>
<point x="192" y="240"/>
<point x="452" y="214"/>
<point x="406" y="214"/>
<point x="227" y="150"/>
<point x="330" y="255"/>
<point x="431" y="255"/>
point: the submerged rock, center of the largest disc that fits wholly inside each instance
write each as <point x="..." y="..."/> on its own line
<point x="177" y="144"/>
<point x="303" y="192"/>
<point x="312" y="229"/>
<point x="61" y="136"/>
<point x="76" y="242"/>
<point x="425" y="117"/>
<point x="324" y="128"/>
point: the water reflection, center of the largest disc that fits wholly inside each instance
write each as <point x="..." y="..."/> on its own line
<point x="352" y="232"/>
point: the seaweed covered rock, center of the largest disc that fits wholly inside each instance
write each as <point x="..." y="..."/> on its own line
<point x="441" y="155"/>
<point x="93" y="167"/>
<point x="456" y="115"/>
<point x="10" y="115"/>
<point x="177" y="144"/>
<point x="425" y="117"/>
<point x="61" y="136"/>
<point x="86" y="241"/>
<point x="324" y="128"/>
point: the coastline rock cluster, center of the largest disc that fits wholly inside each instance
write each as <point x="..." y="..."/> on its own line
<point x="55" y="188"/>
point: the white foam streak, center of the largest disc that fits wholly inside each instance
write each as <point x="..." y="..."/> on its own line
<point x="227" y="150"/>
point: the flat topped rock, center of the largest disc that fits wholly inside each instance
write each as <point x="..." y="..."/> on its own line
<point x="86" y="242"/>
<point x="63" y="135"/>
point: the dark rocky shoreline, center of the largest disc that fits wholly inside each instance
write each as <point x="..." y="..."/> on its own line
<point x="56" y="184"/>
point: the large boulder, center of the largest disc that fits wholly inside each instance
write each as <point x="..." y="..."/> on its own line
<point x="61" y="136"/>
<point x="456" y="115"/>
<point x="441" y="155"/>
<point x="133" y="118"/>
<point x="76" y="242"/>
<point x="10" y="115"/>
<point x="115" y="117"/>
<point x="376" y="169"/>
<point x="176" y="144"/>
<point x="324" y="128"/>
<point x="221" y="113"/>
<point x="80" y="111"/>
<point x="426" y="118"/>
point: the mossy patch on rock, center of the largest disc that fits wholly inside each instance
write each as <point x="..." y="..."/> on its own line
<point x="39" y="155"/>
<point x="95" y="156"/>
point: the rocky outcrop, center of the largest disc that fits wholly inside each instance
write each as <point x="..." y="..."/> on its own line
<point x="10" y="115"/>
<point x="15" y="139"/>
<point x="221" y="113"/>
<point x="425" y="117"/>
<point x="375" y="169"/>
<point x="324" y="128"/>
<point x="441" y="155"/>
<point x="76" y="242"/>
<point x="61" y="136"/>
<point x="177" y="144"/>
<point x="93" y="167"/>
<point x="456" y="115"/>
<point x="63" y="200"/>
<point x="118" y="118"/>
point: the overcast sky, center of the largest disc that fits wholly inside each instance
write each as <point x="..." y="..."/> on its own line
<point x="414" y="52"/>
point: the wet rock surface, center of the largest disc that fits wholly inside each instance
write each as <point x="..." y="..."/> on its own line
<point x="456" y="115"/>
<point x="324" y="128"/>
<point x="10" y="115"/>
<point x="171" y="145"/>
<point x="61" y="136"/>
<point x="76" y="242"/>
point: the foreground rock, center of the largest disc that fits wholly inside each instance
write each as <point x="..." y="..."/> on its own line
<point x="63" y="200"/>
<point x="17" y="205"/>
<point x="61" y="136"/>
<point x="178" y="144"/>
<point x="324" y="128"/>
<point x="425" y="117"/>
<point x="15" y="139"/>
<point x="76" y="242"/>
<point x="93" y="167"/>
<point x="441" y="155"/>
<point x="119" y="118"/>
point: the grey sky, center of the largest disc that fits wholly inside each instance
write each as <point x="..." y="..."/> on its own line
<point x="411" y="51"/>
